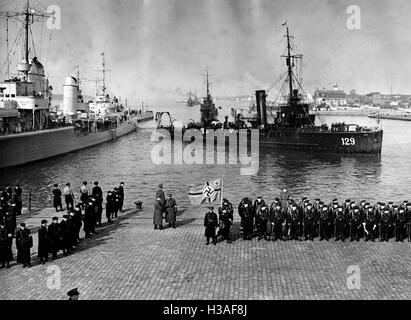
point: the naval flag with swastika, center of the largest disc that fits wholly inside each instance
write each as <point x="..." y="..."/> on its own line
<point x="207" y="192"/>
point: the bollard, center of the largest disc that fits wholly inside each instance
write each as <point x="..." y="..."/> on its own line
<point x="139" y="205"/>
<point x="30" y="201"/>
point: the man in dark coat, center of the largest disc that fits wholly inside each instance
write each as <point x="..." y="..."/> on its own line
<point x="171" y="211"/>
<point x="65" y="235"/>
<point x="57" y="198"/>
<point x="116" y="203"/>
<point x="18" y="199"/>
<point x="89" y="219"/>
<point x="54" y="237"/>
<point x="277" y="218"/>
<point x="72" y="230"/>
<point x="121" y="196"/>
<point x="210" y="224"/>
<point x="160" y="194"/>
<point x="44" y="243"/>
<point x="225" y="215"/>
<point x="77" y="220"/>
<point x="245" y="210"/>
<point x="11" y="217"/>
<point x="158" y="214"/>
<point x="97" y="194"/>
<point x="6" y="240"/>
<point x="256" y="208"/>
<point x="24" y="242"/>
<point x="109" y="206"/>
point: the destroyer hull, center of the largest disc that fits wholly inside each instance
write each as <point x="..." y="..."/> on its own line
<point x="19" y="149"/>
<point x="369" y="142"/>
<point x="332" y="142"/>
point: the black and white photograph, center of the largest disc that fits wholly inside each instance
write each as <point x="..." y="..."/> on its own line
<point x="205" y="150"/>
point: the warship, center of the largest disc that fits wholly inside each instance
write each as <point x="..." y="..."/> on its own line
<point x="30" y="131"/>
<point x="192" y="100"/>
<point x="293" y="126"/>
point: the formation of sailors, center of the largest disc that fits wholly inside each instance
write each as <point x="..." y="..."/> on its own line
<point x="287" y="219"/>
<point x="60" y="235"/>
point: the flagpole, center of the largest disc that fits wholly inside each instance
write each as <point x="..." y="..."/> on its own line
<point x="222" y="192"/>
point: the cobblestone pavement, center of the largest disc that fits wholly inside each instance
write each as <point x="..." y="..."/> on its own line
<point x="130" y="260"/>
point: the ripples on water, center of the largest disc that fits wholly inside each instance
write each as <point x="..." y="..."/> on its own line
<point x="386" y="177"/>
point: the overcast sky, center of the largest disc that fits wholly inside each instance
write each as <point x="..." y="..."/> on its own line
<point x="159" y="48"/>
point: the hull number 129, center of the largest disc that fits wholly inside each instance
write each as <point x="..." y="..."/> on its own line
<point x="348" y="141"/>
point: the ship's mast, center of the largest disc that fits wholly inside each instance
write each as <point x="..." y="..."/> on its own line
<point x="289" y="65"/>
<point x="27" y="13"/>
<point x="104" y="74"/>
<point x="208" y="85"/>
<point x="26" y="32"/>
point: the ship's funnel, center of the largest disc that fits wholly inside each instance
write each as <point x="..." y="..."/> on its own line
<point x="70" y="96"/>
<point x="261" y="107"/>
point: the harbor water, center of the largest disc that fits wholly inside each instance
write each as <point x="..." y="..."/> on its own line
<point x="375" y="178"/>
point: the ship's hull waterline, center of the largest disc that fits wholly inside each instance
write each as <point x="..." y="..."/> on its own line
<point x="19" y="149"/>
<point x="325" y="142"/>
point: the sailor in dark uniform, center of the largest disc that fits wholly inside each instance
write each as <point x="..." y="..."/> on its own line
<point x="73" y="294"/>
<point x="57" y="198"/>
<point x="324" y="223"/>
<point x="369" y="224"/>
<point x="210" y="224"/>
<point x="257" y="204"/>
<point x="339" y="224"/>
<point x="77" y="220"/>
<point x="89" y="219"/>
<point x="171" y="211"/>
<point x="391" y="228"/>
<point x="355" y="222"/>
<point x="6" y="240"/>
<point x="385" y="221"/>
<point x="97" y="194"/>
<point x="293" y="222"/>
<point x="309" y="222"/>
<point x="245" y="211"/>
<point x="262" y="216"/>
<point x="18" y="199"/>
<point x="408" y="211"/>
<point x="24" y="242"/>
<point x="109" y="206"/>
<point x="277" y="220"/>
<point x="65" y="235"/>
<point x="54" y="237"/>
<point x="44" y="243"/>
<point x="121" y="196"/>
<point x="116" y="203"/>
<point x="400" y="224"/>
<point x="225" y="222"/>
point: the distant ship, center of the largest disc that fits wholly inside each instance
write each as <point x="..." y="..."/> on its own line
<point x="30" y="131"/>
<point x="192" y="100"/>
